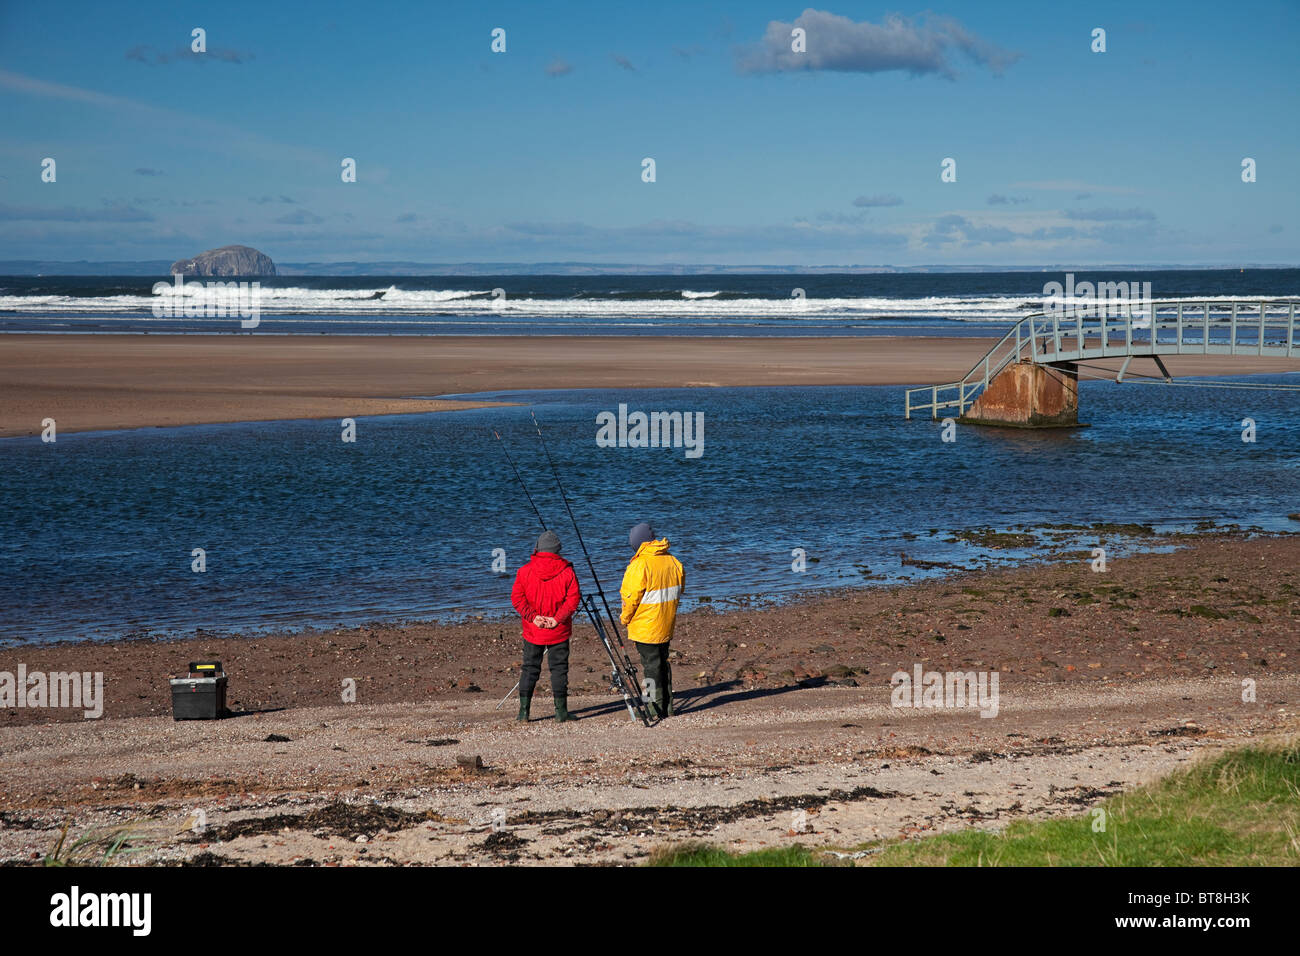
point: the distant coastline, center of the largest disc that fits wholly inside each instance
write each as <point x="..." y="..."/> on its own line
<point x="162" y="267"/>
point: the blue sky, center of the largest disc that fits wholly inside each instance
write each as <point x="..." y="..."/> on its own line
<point x="1064" y="156"/>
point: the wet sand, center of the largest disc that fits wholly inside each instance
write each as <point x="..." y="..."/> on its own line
<point x="88" y="383"/>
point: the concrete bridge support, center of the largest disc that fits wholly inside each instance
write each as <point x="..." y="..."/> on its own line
<point x="1029" y="395"/>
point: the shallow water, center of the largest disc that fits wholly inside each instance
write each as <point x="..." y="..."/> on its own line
<point x="302" y="529"/>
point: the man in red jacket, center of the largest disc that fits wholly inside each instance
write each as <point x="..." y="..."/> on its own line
<point x="546" y="596"/>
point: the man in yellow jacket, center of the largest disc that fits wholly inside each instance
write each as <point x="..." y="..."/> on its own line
<point x="652" y="586"/>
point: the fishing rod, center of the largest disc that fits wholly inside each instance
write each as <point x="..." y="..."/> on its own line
<point x="565" y="498"/>
<point x="624" y="683"/>
<point x="507" y="697"/>
<point x="520" y="479"/>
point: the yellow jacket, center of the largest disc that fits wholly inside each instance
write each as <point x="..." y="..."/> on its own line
<point x="652" y="586"/>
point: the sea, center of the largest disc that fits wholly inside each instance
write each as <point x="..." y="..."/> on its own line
<point x="712" y="305"/>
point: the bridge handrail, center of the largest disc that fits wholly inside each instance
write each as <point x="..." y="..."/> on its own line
<point x="1091" y="320"/>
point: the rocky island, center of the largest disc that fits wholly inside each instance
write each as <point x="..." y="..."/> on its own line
<point x="226" y="261"/>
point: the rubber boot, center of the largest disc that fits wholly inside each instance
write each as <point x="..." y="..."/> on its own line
<point x="524" y="703"/>
<point x="562" y="710"/>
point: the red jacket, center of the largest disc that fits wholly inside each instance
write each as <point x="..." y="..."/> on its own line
<point x="546" y="585"/>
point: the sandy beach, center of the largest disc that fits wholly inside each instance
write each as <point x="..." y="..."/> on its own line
<point x="1107" y="681"/>
<point x="89" y="383"/>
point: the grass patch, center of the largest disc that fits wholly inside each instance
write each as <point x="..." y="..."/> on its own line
<point x="706" y="854"/>
<point x="102" y="847"/>
<point x="1241" y="808"/>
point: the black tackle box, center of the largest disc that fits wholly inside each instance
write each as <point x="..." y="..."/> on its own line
<point x="201" y="695"/>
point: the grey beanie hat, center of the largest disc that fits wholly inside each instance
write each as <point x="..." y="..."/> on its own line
<point x="640" y="534"/>
<point x="548" y="541"/>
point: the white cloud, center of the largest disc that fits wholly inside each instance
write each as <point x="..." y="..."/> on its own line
<point x="913" y="45"/>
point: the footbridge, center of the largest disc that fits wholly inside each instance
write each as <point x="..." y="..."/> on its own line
<point x="1030" y="377"/>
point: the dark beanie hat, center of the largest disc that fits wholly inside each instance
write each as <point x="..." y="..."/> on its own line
<point x="641" y="534"/>
<point x="548" y="541"/>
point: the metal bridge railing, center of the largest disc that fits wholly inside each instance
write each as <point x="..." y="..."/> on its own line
<point x="1123" y="329"/>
